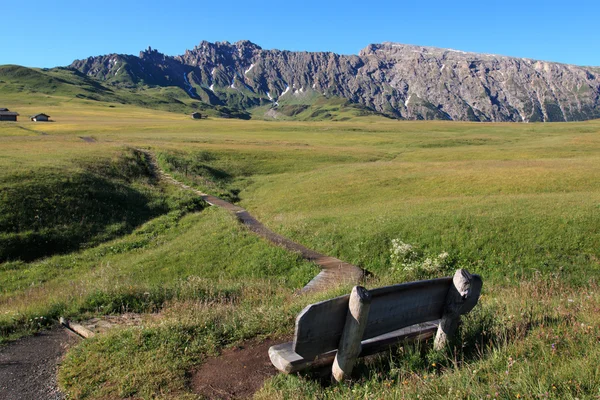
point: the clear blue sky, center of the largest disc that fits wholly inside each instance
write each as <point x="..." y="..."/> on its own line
<point x="50" y="33"/>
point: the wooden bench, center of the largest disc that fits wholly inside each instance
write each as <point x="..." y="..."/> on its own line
<point x="369" y="321"/>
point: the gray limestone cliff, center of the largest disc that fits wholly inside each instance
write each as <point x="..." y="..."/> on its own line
<point x="401" y="81"/>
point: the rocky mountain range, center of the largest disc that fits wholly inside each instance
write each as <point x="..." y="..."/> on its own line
<point x="401" y="81"/>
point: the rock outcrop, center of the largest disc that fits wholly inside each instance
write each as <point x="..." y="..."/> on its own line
<point x="401" y="81"/>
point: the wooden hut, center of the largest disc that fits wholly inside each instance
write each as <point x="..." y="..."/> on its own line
<point x="40" y="118"/>
<point x="7" y="115"/>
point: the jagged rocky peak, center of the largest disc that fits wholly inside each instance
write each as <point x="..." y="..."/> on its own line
<point x="243" y="46"/>
<point x="151" y="54"/>
<point x="246" y="44"/>
<point x="400" y="48"/>
<point x="403" y="81"/>
<point x="220" y="53"/>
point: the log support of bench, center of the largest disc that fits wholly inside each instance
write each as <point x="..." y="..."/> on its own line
<point x="460" y="290"/>
<point x="356" y="322"/>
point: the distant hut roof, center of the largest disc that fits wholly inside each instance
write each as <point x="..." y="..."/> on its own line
<point x="7" y="113"/>
<point x="4" y="109"/>
<point x="40" y="115"/>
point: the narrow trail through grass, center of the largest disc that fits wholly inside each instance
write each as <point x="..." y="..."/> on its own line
<point x="514" y="203"/>
<point x="333" y="271"/>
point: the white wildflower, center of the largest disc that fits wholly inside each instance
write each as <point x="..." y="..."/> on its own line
<point x="402" y="254"/>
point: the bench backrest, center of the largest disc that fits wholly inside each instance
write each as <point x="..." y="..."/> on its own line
<point x="319" y="326"/>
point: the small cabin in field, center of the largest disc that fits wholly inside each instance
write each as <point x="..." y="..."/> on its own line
<point x="197" y="115"/>
<point x="7" y="115"/>
<point x="40" y="118"/>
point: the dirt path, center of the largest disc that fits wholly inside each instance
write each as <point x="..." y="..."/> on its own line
<point x="333" y="271"/>
<point x="236" y="374"/>
<point x="28" y="366"/>
<point x="240" y="372"/>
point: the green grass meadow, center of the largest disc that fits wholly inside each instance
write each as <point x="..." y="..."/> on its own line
<point x="86" y="229"/>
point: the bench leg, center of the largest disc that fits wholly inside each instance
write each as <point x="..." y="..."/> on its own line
<point x="356" y="322"/>
<point x="459" y="291"/>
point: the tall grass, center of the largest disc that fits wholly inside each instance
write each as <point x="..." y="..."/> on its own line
<point x="538" y="339"/>
<point x="516" y="203"/>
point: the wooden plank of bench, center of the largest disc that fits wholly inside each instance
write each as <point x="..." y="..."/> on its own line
<point x="398" y="306"/>
<point x="413" y="333"/>
<point x="319" y="326"/>
<point x="287" y="361"/>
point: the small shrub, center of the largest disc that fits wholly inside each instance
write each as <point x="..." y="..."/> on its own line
<point x="402" y="254"/>
<point x="406" y="257"/>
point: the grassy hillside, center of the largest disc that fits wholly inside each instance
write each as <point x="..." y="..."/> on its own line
<point x="57" y="85"/>
<point x="313" y="107"/>
<point x="47" y="212"/>
<point x="494" y="195"/>
<point x="516" y="203"/>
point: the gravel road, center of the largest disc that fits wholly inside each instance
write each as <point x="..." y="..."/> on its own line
<point x="28" y="366"/>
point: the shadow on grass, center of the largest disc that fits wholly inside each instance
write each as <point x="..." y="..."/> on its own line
<point x="51" y="214"/>
<point x="478" y="338"/>
<point x="481" y="336"/>
<point x="196" y="167"/>
<point x="44" y="213"/>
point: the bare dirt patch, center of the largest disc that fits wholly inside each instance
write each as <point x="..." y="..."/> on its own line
<point x="237" y="373"/>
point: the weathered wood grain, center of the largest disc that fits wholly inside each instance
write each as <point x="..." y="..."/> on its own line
<point x="319" y="326"/>
<point x="77" y="328"/>
<point x="392" y="311"/>
<point x="398" y="306"/>
<point x="462" y="297"/>
<point x="287" y="361"/>
<point x="354" y="328"/>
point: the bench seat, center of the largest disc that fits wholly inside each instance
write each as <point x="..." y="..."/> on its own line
<point x="287" y="361"/>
